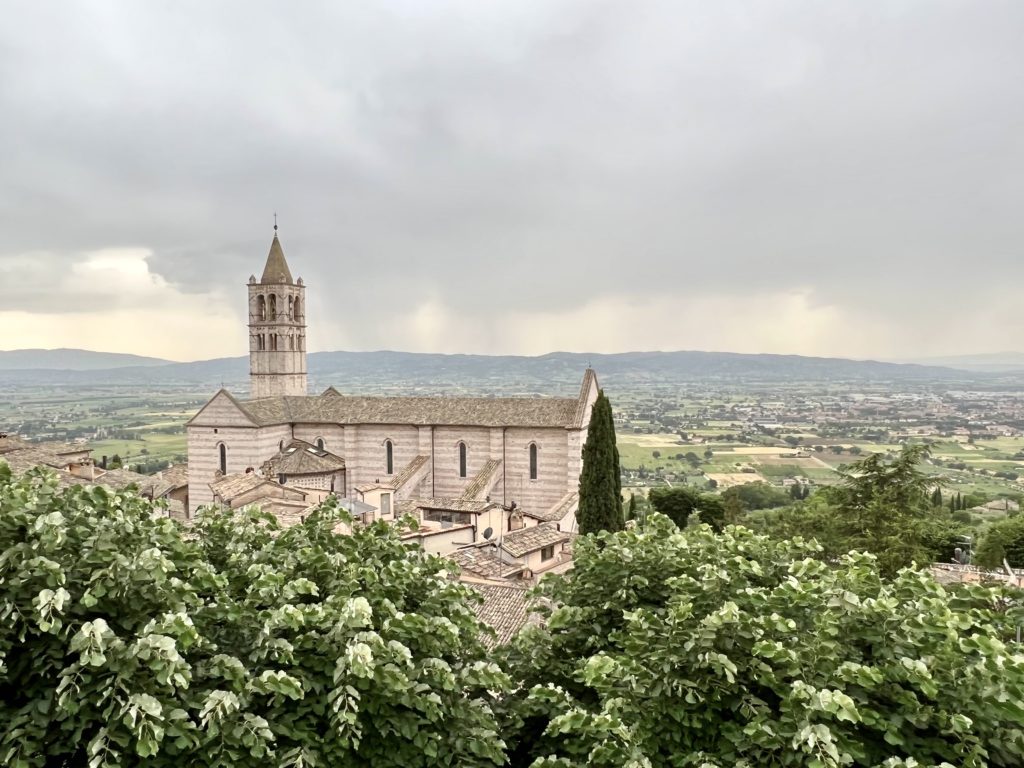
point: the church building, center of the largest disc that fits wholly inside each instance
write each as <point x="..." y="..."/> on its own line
<point x="464" y="464"/>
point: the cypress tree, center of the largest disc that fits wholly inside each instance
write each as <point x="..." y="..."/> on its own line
<point x="937" y="497"/>
<point x="600" y="482"/>
<point x="631" y="512"/>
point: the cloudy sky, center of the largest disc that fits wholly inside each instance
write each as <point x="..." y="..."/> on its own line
<point x="840" y="178"/>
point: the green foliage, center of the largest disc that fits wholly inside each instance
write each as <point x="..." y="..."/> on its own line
<point x="686" y="648"/>
<point x="680" y="502"/>
<point x="880" y="507"/>
<point x="600" y="506"/>
<point x="758" y="495"/>
<point x="1003" y="539"/>
<point x="127" y="641"/>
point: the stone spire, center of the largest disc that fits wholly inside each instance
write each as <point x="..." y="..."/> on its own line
<point x="276" y="272"/>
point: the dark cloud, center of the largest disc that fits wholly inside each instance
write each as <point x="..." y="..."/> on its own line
<point x="536" y="154"/>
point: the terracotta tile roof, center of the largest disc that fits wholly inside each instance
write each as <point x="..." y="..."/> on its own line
<point x="21" y="462"/>
<point x="122" y="478"/>
<point x="483" y="481"/>
<point x="526" y="540"/>
<point x="504" y="609"/>
<point x="476" y="506"/>
<point x="302" y="458"/>
<point x="175" y="476"/>
<point x="231" y="487"/>
<point x="561" y="508"/>
<point x="331" y="408"/>
<point x="483" y="562"/>
<point x="367" y="487"/>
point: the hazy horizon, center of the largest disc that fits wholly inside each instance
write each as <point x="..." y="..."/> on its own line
<point x="833" y="179"/>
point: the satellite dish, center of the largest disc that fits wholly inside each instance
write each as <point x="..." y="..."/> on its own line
<point x="488" y="532"/>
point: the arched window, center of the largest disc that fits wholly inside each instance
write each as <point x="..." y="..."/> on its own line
<point x="261" y="307"/>
<point x="291" y="307"/>
<point x="533" y="461"/>
<point x="462" y="459"/>
<point x="222" y="451"/>
<point x="389" y="458"/>
<point x="273" y="306"/>
<point x="320" y="443"/>
<point x="280" y="445"/>
<point x="273" y="342"/>
<point x="297" y="309"/>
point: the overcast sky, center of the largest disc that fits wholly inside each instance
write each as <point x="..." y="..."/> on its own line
<point x="837" y="178"/>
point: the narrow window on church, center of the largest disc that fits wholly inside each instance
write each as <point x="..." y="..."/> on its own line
<point x="297" y="309"/>
<point x="462" y="459"/>
<point x="533" y="461"/>
<point x="389" y="457"/>
<point x="223" y="450"/>
<point x="291" y="343"/>
<point x="273" y="306"/>
<point x="320" y="443"/>
<point x="261" y="307"/>
<point x="291" y="307"/>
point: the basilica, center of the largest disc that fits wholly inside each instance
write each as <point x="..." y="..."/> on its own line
<point x="469" y="469"/>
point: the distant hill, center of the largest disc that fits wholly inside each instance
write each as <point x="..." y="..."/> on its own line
<point x="555" y="372"/>
<point x="71" y="360"/>
<point x="992" y="362"/>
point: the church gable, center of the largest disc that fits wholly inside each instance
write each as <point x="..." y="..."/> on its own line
<point x="223" y="410"/>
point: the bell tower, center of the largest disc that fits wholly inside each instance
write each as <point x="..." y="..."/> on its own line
<point x="277" y="329"/>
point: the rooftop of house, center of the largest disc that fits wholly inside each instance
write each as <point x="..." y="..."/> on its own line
<point x="527" y="540"/>
<point x="473" y="506"/>
<point x="483" y="561"/>
<point x="230" y="487"/>
<point x="504" y="609"/>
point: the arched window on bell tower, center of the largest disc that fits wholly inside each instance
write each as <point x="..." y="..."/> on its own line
<point x="273" y="306"/>
<point x="261" y="307"/>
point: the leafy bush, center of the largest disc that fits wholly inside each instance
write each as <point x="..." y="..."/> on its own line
<point x="125" y="641"/>
<point x="1003" y="539"/>
<point x="686" y="648"/>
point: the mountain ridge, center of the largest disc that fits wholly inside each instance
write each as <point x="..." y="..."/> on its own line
<point x="418" y="368"/>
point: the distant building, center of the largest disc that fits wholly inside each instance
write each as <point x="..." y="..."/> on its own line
<point x="459" y="464"/>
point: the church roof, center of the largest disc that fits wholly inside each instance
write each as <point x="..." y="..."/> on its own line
<point x="276" y="272"/>
<point x="424" y="411"/>
<point x="302" y="458"/>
